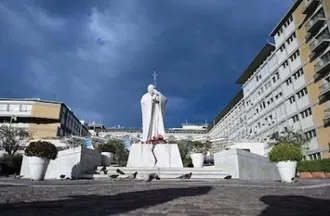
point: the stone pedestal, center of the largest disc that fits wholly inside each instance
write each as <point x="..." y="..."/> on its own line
<point x="167" y="155"/>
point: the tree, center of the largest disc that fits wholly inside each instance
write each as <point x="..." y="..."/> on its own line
<point x="121" y="153"/>
<point x="291" y="137"/>
<point x="12" y="138"/>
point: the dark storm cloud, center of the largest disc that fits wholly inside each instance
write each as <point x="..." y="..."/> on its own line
<point x="98" y="56"/>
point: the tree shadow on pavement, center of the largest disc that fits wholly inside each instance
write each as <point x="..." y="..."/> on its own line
<point x="294" y="205"/>
<point x="102" y="204"/>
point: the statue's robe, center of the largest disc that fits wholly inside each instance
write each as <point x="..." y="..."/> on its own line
<point x="153" y="115"/>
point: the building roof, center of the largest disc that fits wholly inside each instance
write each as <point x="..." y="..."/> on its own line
<point x="286" y="16"/>
<point x="257" y="61"/>
<point x="31" y="99"/>
<point x="44" y="101"/>
<point x="224" y="111"/>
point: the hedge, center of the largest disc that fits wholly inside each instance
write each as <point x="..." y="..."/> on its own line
<point x="322" y="165"/>
<point x="10" y="164"/>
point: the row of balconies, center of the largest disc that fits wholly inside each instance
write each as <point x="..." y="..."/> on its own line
<point x="323" y="65"/>
<point x="324" y="88"/>
<point x="315" y="22"/>
<point x="310" y="6"/>
<point x="327" y="117"/>
<point x="320" y="42"/>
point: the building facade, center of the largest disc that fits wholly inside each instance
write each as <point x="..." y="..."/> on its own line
<point x="307" y="23"/>
<point x="187" y="131"/>
<point x="287" y="85"/>
<point x="41" y="118"/>
<point x="230" y="124"/>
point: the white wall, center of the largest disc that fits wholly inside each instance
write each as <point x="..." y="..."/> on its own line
<point x="244" y="165"/>
<point x="69" y="162"/>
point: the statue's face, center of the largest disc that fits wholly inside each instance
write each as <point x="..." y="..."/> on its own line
<point x="151" y="89"/>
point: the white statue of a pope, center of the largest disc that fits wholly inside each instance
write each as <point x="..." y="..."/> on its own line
<point x="153" y="109"/>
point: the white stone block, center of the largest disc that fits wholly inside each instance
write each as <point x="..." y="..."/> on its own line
<point x="168" y="155"/>
<point x="69" y="162"/>
<point x="245" y="165"/>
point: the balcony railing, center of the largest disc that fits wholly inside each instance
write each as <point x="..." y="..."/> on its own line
<point x="324" y="88"/>
<point x="327" y="116"/>
<point x="311" y="6"/>
<point x="320" y="43"/>
<point x="323" y="64"/>
<point x="315" y="22"/>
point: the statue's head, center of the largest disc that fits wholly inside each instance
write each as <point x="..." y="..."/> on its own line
<point x="151" y="89"/>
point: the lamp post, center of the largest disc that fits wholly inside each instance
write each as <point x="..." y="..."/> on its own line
<point x="12" y="118"/>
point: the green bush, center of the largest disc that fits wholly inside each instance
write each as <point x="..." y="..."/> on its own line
<point x="314" y="166"/>
<point x="309" y="166"/>
<point x="10" y="164"/>
<point x="187" y="162"/>
<point x="41" y="149"/>
<point x="107" y="147"/>
<point x="325" y="163"/>
<point x="285" y="152"/>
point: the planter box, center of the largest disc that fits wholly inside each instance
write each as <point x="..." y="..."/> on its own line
<point x="287" y="170"/>
<point x="197" y="159"/>
<point x="38" y="167"/>
<point x="318" y="174"/>
<point x="305" y="175"/>
<point x="327" y="174"/>
<point x="106" y="158"/>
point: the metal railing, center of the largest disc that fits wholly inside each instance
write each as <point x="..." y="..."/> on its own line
<point x="324" y="88"/>
<point x="318" y="41"/>
<point x="327" y="113"/>
<point x="312" y="21"/>
<point x="322" y="62"/>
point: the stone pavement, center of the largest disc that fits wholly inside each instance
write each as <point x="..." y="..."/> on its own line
<point x="88" y="197"/>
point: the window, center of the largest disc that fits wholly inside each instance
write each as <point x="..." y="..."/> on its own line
<point x="292" y="99"/>
<point x="306" y="113"/>
<point x="268" y="85"/>
<point x="26" y="108"/>
<point x="310" y="134"/>
<point x="295" y="118"/>
<point x="282" y="48"/>
<point x="294" y="56"/>
<point x="298" y="74"/>
<point x="288" y="81"/>
<point x="285" y="64"/>
<point x="302" y="93"/>
<point x="280" y="31"/>
<point x="14" y="107"/>
<point x="3" y="107"/>
<point x="291" y="38"/>
<point x="276" y="77"/>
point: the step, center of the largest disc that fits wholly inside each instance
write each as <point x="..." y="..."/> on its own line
<point x="164" y="173"/>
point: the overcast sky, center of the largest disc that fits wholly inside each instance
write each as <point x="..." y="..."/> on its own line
<point x="98" y="56"/>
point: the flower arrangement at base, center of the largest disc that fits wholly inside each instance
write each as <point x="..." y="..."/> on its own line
<point x="157" y="140"/>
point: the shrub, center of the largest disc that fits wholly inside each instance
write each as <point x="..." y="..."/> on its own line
<point x="187" y="162"/>
<point x="41" y="149"/>
<point x="308" y="166"/>
<point x="325" y="164"/>
<point x="314" y="166"/>
<point x="107" y="147"/>
<point x="10" y="164"/>
<point x="285" y="152"/>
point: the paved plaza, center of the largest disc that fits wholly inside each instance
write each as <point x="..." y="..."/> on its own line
<point x="88" y="197"/>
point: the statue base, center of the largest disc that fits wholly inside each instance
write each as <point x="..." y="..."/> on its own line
<point x="168" y="155"/>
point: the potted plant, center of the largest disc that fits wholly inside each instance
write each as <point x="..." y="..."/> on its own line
<point x="286" y="155"/>
<point x="39" y="154"/>
<point x="197" y="154"/>
<point x="107" y="151"/>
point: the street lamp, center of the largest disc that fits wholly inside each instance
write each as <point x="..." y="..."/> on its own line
<point x="12" y="118"/>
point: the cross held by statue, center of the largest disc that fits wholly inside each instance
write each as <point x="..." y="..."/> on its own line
<point x="155" y="77"/>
